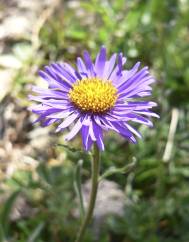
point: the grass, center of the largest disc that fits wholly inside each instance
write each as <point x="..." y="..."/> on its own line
<point x="156" y="191"/>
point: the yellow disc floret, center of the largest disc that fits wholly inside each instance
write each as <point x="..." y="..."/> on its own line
<point x="93" y="95"/>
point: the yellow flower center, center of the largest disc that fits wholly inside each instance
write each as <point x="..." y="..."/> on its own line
<point x="93" y="95"/>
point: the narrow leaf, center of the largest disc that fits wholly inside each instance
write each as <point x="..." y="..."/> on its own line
<point x="123" y="170"/>
<point x="5" y="214"/>
<point x="36" y="232"/>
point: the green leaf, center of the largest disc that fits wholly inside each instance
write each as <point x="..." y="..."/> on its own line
<point x="74" y="150"/>
<point x="36" y="232"/>
<point x="5" y="214"/>
<point x="123" y="170"/>
<point x="71" y="149"/>
<point x="2" y="235"/>
<point x="45" y="174"/>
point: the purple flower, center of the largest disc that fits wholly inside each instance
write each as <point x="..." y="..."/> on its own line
<point x="95" y="97"/>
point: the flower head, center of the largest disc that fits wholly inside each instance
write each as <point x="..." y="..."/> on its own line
<point x="95" y="97"/>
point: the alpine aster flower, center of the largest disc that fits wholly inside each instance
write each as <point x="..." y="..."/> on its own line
<point x="95" y="97"/>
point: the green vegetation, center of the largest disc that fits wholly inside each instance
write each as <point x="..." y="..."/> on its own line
<point x="157" y="190"/>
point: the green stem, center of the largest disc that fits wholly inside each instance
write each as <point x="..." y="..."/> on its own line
<point x="77" y="186"/>
<point x="94" y="187"/>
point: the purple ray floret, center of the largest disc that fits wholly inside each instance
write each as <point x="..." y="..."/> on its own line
<point x="94" y="98"/>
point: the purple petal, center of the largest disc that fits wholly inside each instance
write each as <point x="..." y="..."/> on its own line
<point x="48" y="122"/>
<point x="109" y="65"/>
<point x="89" y="144"/>
<point x="51" y="72"/>
<point x="100" y="123"/>
<point x="125" y="108"/>
<point x="121" y="61"/>
<point x="65" y="75"/>
<point x="60" y="115"/>
<point x="71" y="70"/>
<point x="123" y="131"/>
<point x="100" y="62"/>
<point x="134" y="131"/>
<point x="147" y="113"/>
<point x="91" y="131"/>
<point x="127" y="75"/>
<point x="139" y="119"/>
<point x="116" y="74"/>
<point x="89" y="64"/>
<point x="142" y="104"/>
<point x="53" y="83"/>
<point x="98" y="135"/>
<point x="86" y="139"/>
<point x="134" y="81"/>
<point x="107" y="123"/>
<point x="142" y="94"/>
<point x="43" y="115"/>
<point x="137" y="84"/>
<point x="60" y="104"/>
<point x="69" y="120"/>
<point x="39" y="108"/>
<point x="76" y="128"/>
<point x="135" y="92"/>
<point x="41" y="99"/>
<point x="49" y="93"/>
<point x="82" y="68"/>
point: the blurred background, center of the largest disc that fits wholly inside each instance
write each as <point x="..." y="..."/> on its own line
<point x="37" y="197"/>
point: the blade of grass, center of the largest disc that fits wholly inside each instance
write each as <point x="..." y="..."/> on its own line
<point x="36" y="232"/>
<point x="6" y="211"/>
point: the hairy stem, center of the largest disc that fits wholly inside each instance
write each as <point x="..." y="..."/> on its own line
<point x="94" y="187"/>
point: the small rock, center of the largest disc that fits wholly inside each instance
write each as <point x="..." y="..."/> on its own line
<point x="110" y="199"/>
<point x="6" y="77"/>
